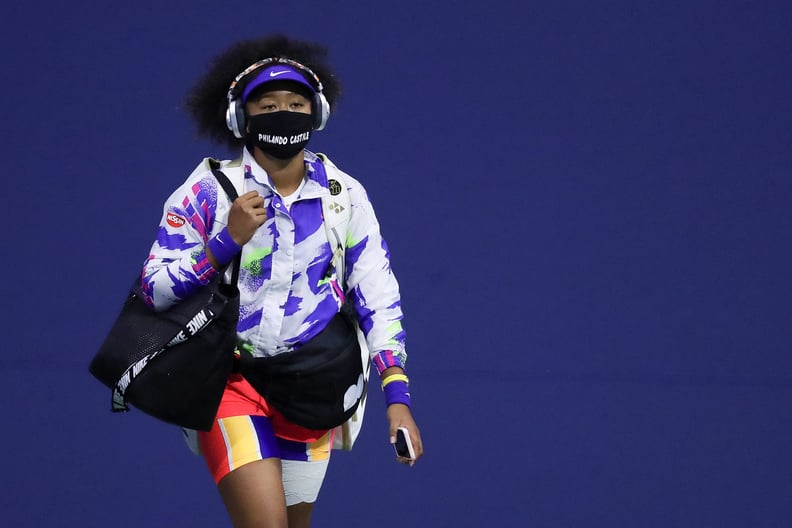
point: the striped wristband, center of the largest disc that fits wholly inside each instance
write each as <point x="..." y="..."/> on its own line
<point x="223" y="247"/>
<point x="396" y="389"/>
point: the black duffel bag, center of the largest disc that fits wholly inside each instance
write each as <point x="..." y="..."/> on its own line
<point x="319" y="385"/>
<point x="173" y="364"/>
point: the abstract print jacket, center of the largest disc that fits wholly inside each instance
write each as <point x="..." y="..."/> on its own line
<point x="288" y="290"/>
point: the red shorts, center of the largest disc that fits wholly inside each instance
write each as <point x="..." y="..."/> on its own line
<point x="247" y="428"/>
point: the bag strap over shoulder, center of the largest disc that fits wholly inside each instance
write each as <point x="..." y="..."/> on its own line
<point x="337" y="207"/>
<point x="233" y="171"/>
<point x="226" y="184"/>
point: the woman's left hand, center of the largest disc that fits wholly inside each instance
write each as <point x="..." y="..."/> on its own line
<point x="399" y="415"/>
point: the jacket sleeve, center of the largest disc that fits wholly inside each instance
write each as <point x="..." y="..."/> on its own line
<point x="372" y="284"/>
<point x="177" y="264"/>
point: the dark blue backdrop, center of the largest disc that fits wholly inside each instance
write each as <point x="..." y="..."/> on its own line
<point x="587" y="205"/>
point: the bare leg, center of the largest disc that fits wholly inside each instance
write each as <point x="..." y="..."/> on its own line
<point x="253" y="495"/>
<point x="300" y="515"/>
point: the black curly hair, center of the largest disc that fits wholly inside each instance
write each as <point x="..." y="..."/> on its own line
<point x="207" y="100"/>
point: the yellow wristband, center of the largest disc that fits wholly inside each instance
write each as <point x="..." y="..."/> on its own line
<point x="394" y="377"/>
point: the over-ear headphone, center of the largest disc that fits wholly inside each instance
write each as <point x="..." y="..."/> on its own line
<point x="235" y="113"/>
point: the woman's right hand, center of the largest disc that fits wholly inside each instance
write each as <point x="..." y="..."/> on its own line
<point x="246" y="216"/>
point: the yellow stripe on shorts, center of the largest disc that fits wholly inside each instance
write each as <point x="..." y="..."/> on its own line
<point x="241" y="440"/>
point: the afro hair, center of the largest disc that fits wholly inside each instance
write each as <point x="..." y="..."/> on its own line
<point x="207" y="101"/>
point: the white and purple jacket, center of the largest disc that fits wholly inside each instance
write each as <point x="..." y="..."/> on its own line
<point x="288" y="291"/>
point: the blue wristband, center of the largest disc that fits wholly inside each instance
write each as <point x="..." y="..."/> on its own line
<point x="223" y="247"/>
<point x="397" y="392"/>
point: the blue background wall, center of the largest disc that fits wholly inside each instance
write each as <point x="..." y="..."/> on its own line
<point x="587" y="205"/>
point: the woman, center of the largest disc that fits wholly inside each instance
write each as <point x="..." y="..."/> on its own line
<point x="265" y="98"/>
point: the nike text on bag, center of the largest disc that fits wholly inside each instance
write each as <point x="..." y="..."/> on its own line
<point x="173" y="364"/>
<point x="318" y="386"/>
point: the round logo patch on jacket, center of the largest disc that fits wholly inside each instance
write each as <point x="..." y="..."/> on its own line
<point x="175" y="220"/>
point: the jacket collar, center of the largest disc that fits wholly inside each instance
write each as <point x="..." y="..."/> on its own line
<point x="315" y="185"/>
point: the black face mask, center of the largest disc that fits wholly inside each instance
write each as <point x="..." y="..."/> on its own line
<point x="280" y="134"/>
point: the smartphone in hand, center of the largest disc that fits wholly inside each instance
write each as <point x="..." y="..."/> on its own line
<point x="403" y="445"/>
